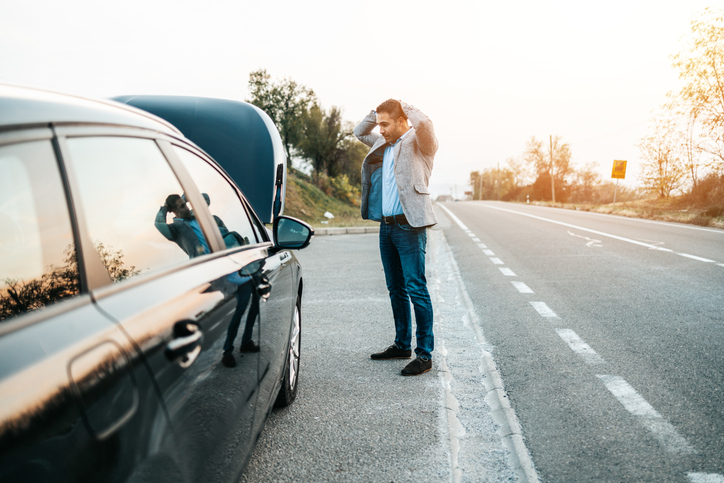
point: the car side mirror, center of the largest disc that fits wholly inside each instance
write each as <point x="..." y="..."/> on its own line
<point x="291" y="233"/>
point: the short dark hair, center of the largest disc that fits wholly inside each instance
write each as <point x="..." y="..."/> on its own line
<point x="393" y="108"/>
<point x="171" y="201"/>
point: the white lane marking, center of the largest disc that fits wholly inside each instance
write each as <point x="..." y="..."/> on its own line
<point x="507" y="272"/>
<point x="679" y="225"/>
<point x="522" y="288"/>
<point x="694" y="257"/>
<point x="489" y="253"/>
<point x="454" y="218"/>
<point x="496" y="261"/>
<point x="615" y="237"/>
<point x="720" y="264"/>
<point x="578" y="346"/>
<point x="471" y="234"/>
<point x="482" y="245"/>
<point x="502" y="412"/>
<point x="543" y="310"/>
<point x="634" y="403"/>
<point x="476" y="240"/>
<point x="705" y="477"/>
<point x="591" y="242"/>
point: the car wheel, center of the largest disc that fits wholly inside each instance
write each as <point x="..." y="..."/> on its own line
<point x="290" y="377"/>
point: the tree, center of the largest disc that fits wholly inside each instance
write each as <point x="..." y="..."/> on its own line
<point x="701" y="68"/>
<point x="56" y="284"/>
<point x="354" y="155"/>
<point x="322" y="140"/>
<point x="552" y="160"/>
<point x="493" y="184"/>
<point x="285" y="102"/>
<point x="662" y="168"/>
<point x="585" y="180"/>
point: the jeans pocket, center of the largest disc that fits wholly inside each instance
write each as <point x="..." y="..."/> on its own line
<point x="406" y="227"/>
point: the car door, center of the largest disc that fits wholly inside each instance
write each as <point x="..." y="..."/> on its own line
<point x="175" y="296"/>
<point x="275" y="277"/>
<point x="76" y="401"/>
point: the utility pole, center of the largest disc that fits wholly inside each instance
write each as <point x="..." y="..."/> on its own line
<point x="480" y="197"/>
<point x="497" y="175"/>
<point x="553" y="188"/>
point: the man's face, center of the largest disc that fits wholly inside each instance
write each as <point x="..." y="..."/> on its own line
<point x="181" y="209"/>
<point x="391" y="129"/>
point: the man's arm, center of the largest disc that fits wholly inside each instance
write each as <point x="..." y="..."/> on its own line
<point x="363" y="130"/>
<point x="424" y="132"/>
<point x="161" y="224"/>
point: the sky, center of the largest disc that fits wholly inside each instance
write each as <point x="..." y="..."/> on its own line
<point x="490" y="75"/>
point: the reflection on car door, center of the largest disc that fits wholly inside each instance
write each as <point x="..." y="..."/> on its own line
<point x="76" y="401"/>
<point x="277" y="323"/>
<point x="211" y="406"/>
<point x="173" y="298"/>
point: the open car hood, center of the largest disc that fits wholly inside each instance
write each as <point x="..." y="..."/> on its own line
<point x="239" y="136"/>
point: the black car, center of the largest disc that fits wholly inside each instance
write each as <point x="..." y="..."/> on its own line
<point x="149" y="320"/>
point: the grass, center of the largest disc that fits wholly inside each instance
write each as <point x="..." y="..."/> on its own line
<point x="307" y="202"/>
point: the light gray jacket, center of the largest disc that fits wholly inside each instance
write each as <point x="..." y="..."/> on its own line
<point x="413" y="166"/>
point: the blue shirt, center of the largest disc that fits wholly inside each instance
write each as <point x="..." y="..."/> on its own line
<point x="390" y="195"/>
<point x="199" y="234"/>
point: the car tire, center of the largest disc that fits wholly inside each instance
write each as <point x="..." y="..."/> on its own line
<point x="290" y="376"/>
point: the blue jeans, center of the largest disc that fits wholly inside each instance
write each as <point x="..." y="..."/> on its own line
<point x="244" y="295"/>
<point x="402" y="249"/>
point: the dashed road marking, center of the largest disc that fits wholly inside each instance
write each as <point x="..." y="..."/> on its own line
<point x="522" y="287"/>
<point x="544" y="310"/>
<point x="632" y="401"/>
<point x="705" y="477"/>
<point x="578" y="346"/>
<point x="635" y="404"/>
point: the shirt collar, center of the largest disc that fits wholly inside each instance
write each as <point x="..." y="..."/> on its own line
<point x="400" y="138"/>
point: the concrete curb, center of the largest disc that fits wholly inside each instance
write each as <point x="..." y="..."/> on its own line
<point x="350" y="230"/>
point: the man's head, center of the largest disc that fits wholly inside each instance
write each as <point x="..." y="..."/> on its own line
<point x="392" y="120"/>
<point x="178" y="206"/>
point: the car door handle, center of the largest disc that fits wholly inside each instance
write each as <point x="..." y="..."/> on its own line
<point x="186" y="344"/>
<point x="264" y="288"/>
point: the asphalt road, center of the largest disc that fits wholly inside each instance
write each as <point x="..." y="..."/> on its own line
<point x="608" y="333"/>
<point x="356" y="419"/>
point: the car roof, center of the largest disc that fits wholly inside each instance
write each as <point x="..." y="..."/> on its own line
<point x="25" y="106"/>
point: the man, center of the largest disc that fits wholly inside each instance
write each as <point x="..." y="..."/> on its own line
<point x="395" y="177"/>
<point x="185" y="229"/>
<point x="186" y="232"/>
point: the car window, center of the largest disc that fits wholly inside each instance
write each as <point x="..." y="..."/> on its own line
<point x="135" y="209"/>
<point x="38" y="265"/>
<point x="224" y="204"/>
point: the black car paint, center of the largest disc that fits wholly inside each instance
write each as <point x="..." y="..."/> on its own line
<point x="87" y="389"/>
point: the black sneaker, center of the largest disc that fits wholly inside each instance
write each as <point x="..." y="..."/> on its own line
<point x="228" y="360"/>
<point x="420" y="365"/>
<point x="249" y="346"/>
<point x="392" y="352"/>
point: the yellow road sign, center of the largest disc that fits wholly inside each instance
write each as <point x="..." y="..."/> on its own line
<point x="619" y="169"/>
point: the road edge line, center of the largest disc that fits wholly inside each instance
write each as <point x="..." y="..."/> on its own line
<point x="502" y="411"/>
